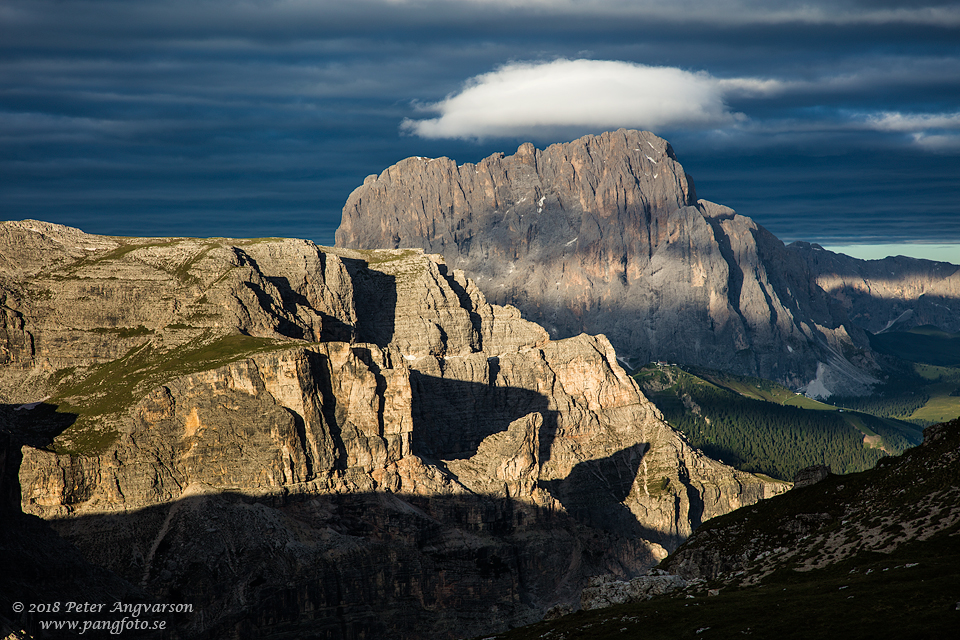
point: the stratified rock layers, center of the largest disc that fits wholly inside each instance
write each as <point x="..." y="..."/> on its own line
<point x="337" y="444"/>
<point x="605" y="235"/>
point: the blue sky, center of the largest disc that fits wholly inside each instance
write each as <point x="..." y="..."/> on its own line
<point x="831" y="122"/>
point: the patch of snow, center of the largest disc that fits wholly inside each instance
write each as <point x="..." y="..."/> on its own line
<point x="651" y="145"/>
<point x="572" y="241"/>
<point x="789" y="348"/>
<point x="651" y="160"/>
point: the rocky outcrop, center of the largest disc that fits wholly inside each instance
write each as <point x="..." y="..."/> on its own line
<point x="97" y="297"/>
<point x="341" y="443"/>
<point x="603" y="591"/>
<point x="605" y="234"/>
<point x="810" y="475"/>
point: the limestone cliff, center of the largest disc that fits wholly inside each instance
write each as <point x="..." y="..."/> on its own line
<point x="335" y="442"/>
<point x="605" y="234"/>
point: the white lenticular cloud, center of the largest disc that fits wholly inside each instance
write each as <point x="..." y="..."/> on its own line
<point x="542" y="99"/>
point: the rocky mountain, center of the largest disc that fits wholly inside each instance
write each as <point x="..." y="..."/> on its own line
<point x="305" y="442"/>
<point x="606" y="234"/>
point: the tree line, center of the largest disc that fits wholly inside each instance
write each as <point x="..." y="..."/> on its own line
<point x="765" y="437"/>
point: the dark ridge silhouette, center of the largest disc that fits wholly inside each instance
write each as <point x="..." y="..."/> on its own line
<point x="840" y="264"/>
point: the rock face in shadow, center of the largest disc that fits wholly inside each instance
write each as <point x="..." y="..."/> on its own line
<point x="605" y="234"/>
<point x="330" y="443"/>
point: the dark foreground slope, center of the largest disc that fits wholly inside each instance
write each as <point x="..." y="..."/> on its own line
<point x="606" y="234"/>
<point x="866" y="555"/>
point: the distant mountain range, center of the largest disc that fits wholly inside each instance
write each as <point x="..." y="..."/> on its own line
<point x="606" y="234"/>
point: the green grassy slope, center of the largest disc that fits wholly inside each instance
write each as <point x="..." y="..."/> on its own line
<point x="98" y="397"/>
<point x="920" y="393"/>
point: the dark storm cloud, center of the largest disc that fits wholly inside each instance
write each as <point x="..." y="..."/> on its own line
<point x="254" y="117"/>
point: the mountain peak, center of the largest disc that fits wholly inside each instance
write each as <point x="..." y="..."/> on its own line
<point x="605" y="234"/>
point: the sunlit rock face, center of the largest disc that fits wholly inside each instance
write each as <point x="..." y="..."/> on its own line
<point x="331" y="443"/>
<point x="605" y="234"/>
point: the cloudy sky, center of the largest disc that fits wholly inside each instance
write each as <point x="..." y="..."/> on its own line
<point x="835" y="121"/>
